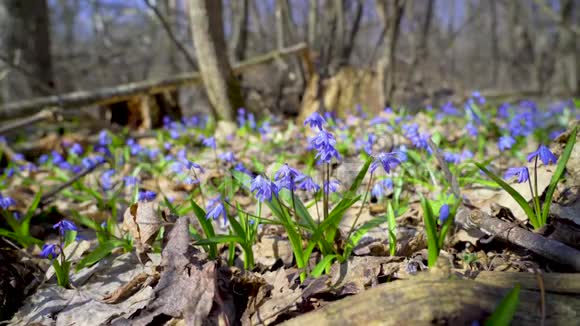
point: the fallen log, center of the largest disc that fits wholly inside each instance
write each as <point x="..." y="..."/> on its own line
<point x="446" y="301"/>
<point x="123" y="92"/>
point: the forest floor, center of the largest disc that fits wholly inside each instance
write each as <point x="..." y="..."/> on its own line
<point x="381" y="219"/>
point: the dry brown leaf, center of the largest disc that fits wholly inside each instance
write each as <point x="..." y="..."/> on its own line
<point x="185" y="289"/>
<point x="142" y="221"/>
<point x="126" y="290"/>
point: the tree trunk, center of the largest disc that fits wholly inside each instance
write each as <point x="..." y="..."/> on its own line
<point x="312" y="24"/>
<point x="221" y="85"/>
<point x="239" y="43"/>
<point x="347" y="49"/>
<point x="25" y="38"/>
<point x="390" y="12"/>
<point x="494" y="42"/>
<point x="567" y="48"/>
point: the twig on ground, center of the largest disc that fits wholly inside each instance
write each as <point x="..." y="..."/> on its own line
<point x="46" y="199"/>
<point x="48" y="114"/>
<point x="548" y="248"/>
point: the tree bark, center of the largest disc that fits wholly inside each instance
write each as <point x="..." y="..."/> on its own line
<point x="390" y="12"/>
<point x="221" y="85"/>
<point x="494" y="42"/>
<point x="349" y="45"/>
<point x="239" y="43"/>
<point x="25" y="37"/>
<point x="312" y="24"/>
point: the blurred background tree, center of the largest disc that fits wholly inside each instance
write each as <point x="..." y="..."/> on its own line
<point x="421" y="51"/>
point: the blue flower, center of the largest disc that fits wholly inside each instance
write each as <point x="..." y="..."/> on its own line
<point x="106" y="181"/>
<point x="6" y="202"/>
<point x="251" y="121"/>
<point x="306" y="183"/>
<point x="387" y="160"/>
<point x="264" y="188"/>
<point x="227" y="157"/>
<point x="443" y="213"/>
<point x="240" y="167"/>
<point x="471" y="129"/>
<point x="378" y="190"/>
<point x="147" y="195"/>
<point x="76" y="149"/>
<point x="544" y="154"/>
<point x="324" y="143"/>
<point x="9" y="172"/>
<point x="49" y="251"/>
<point x="505" y="142"/>
<point x="331" y="186"/>
<point x="130" y="181"/>
<point x="104" y="138"/>
<point x="215" y="209"/>
<point x="64" y="225"/>
<point x="315" y="120"/>
<point x="285" y="171"/>
<point x="209" y="142"/>
<point x="241" y="117"/>
<point x="522" y="173"/>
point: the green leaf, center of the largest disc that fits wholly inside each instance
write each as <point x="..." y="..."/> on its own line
<point x="206" y="226"/>
<point x="100" y="252"/>
<point x="431" y="230"/>
<point x="505" y="311"/>
<point x="357" y="235"/>
<point x="347" y="201"/>
<point x="515" y="195"/>
<point x="557" y="175"/>
<point x="392" y="229"/>
<point x="25" y="225"/>
<point x="69" y="237"/>
<point x="219" y="239"/>
<point x="24" y="241"/>
<point x="321" y="266"/>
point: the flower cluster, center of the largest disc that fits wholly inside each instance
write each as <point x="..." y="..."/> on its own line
<point x="324" y="141"/>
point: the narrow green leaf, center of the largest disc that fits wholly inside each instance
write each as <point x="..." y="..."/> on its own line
<point x="100" y="252"/>
<point x="558" y="174"/>
<point x="430" y="229"/>
<point x="392" y="229"/>
<point x="219" y="239"/>
<point x="357" y="235"/>
<point x="505" y="311"/>
<point x="206" y="226"/>
<point x="25" y="225"/>
<point x="515" y="195"/>
<point x="321" y="266"/>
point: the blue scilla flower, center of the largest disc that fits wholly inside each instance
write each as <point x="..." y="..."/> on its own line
<point x="241" y="117"/>
<point x="104" y="138"/>
<point x="544" y="154"/>
<point x="505" y="142"/>
<point x="331" y="186"/>
<point x="209" y="142"/>
<point x="471" y="129"/>
<point x="478" y="97"/>
<point x="387" y="160"/>
<point x="147" y="195"/>
<point x="227" y="157"/>
<point x="76" y="149"/>
<point x="49" y="251"/>
<point x="522" y="173"/>
<point x="324" y="143"/>
<point x="306" y="183"/>
<point x="264" y="188"/>
<point x="251" y="121"/>
<point x="64" y="225"/>
<point x="378" y="190"/>
<point x="315" y="120"/>
<point x="6" y="202"/>
<point x="286" y="171"/>
<point x="9" y="172"/>
<point x="43" y="159"/>
<point x="106" y="179"/>
<point x="450" y="157"/>
<point x="443" y="213"/>
<point x="242" y="168"/>
<point x="130" y="181"/>
<point x="215" y="209"/>
<point x="503" y="111"/>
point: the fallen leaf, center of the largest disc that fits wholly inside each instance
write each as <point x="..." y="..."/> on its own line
<point x="185" y="289"/>
<point x="142" y="222"/>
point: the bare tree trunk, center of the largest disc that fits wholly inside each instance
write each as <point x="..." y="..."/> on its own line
<point x="567" y="48"/>
<point x="239" y="43"/>
<point x="339" y="32"/>
<point x="390" y="12"/>
<point x="280" y="30"/>
<point x="25" y="37"/>
<point x="420" y="49"/>
<point x="221" y="85"/>
<point x="312" y="24"/>
<point x="347" y="49"/>
<point x="494" y="41"/>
